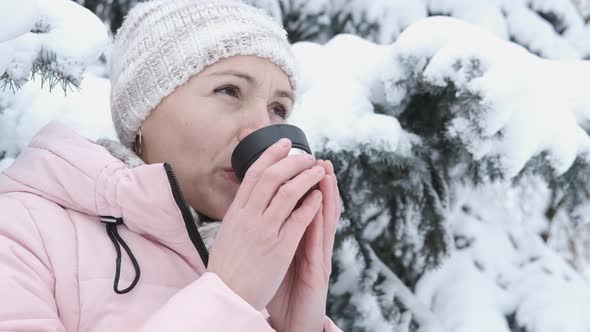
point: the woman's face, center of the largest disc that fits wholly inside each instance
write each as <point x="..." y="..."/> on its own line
<point x="197" y="127"/>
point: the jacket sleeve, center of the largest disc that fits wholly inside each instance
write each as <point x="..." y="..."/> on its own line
<point x="207" y="304"/>
<point x="26" y="278"/>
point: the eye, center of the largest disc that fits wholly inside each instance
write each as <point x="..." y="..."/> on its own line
<point x="280" y="110"/>
<point x="230" y="90"/>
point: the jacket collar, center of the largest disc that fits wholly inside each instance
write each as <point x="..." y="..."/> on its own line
<point x="207" y="228"/>
<point x="80" y="175"/>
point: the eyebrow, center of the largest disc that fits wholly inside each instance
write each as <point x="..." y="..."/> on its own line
<point x="251" y="80"/>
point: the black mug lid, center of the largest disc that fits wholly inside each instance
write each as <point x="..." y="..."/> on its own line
<point x="251" y="147"/>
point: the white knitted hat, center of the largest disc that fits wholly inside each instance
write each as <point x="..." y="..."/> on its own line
<point x="162" y="43"/>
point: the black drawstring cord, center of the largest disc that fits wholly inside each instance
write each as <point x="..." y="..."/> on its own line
<point x="111" y="224"/>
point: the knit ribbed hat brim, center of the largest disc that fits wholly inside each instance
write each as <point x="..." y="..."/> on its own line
<point x="163" y="43"/>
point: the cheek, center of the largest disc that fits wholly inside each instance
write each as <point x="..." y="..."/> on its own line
<point x="195" y="127"/>
<point x="203" y="142"/>
<point x="201" y="145"/>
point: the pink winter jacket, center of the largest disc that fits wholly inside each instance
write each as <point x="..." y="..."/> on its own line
<point x="58" y="261"/>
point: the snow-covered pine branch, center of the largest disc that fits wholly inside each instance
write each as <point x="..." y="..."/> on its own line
<point x="501" y="277"/>
<point x="508" y="122"/>
<point x="408" y="125"/>
<point x="551" y="29"/>
<point x="46" y="44"/>
<point x="50" y="39"/>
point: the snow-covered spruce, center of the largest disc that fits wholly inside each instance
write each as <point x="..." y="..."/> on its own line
<point x="389" y="116"/>
<point x="501" y="277"/>
<point x="52" y="42"/>
<point x="469" y="68"/>
<point x="42" y="38"/>
<point x="554" y="29"/>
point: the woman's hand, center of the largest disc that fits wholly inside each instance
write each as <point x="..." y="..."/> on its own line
<point x="261" y="230"/>
<point x="300" y="302"/>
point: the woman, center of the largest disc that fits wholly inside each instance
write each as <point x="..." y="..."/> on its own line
<point x="100" y="238"/>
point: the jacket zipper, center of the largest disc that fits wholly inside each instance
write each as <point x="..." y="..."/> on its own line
<point x="189" y="221"/>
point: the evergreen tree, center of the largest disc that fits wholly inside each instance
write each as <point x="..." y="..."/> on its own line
<point x="37" y="50"/>
<point x="110" y="12"/>
<point x="36" y="45"/>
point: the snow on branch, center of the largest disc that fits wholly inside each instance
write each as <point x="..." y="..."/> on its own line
<point x="507" y="104"/>
<point x="502" y="277"/>
<point x="340" y="85"/>
<point x="53" y="39"/>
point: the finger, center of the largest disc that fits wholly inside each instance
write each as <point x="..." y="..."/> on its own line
<point x="320" y="162"/>
<point x="274" y="153"/>
<point x="338" y="197"/>
<point x="286" y="198"/>
<point x="293" y="229"/>
<point x="330" y="166"/>
<point x="330" y="217"/>
<point x="275" y="176"/>
<point x="330" y="222"/>
<point x="313" y="239"/>
<point x="324" y="164"/>
<point x="330" y="171"/>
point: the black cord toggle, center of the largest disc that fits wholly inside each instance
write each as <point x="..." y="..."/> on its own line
<point x="111" y="226"/>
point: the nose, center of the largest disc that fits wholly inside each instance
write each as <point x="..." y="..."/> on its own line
<point x="255" y="120"/>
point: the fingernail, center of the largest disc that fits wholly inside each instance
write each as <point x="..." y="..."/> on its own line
<point x="284" y="142"/>
<point x="318" y="194"/>
<point x="318" y="169"/>
<point x="309" y="157"/>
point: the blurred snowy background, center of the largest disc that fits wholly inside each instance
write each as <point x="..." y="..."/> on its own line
<point x="458" y="128"/>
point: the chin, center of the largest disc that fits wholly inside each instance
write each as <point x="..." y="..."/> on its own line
<point x="220" y="207"/>
<point x="223" y="209"/>
<point x="221" y="200"/>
